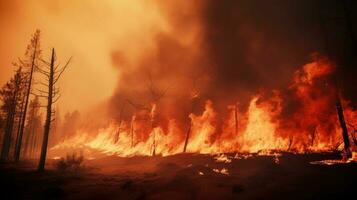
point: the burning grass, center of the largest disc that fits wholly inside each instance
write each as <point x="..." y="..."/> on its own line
<point x="311" y="127"/>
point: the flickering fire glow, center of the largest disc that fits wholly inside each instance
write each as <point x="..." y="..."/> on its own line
<point x="263" y="127"/>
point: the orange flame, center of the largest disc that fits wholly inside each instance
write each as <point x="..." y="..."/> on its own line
<point x="313" y="126"/>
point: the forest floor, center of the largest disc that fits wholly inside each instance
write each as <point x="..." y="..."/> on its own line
<point x="185" y="176"/>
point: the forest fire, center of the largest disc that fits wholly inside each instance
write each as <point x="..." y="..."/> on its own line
<point x="313" y="127"/>
<point x="198" y="99"/>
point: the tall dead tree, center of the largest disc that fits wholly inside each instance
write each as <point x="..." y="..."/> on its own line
<point x="342" y="121"/>
<point x="187" y="136"/>
<point x="116" y="137"/>
<point x="325" y="29"/>
<point x="132" y="131"/>
<point x="136" y="107"/>
<point x="33" y="50"/>
<point x="189" y="129"/>
<point x="156" y="96"/>
<point x="194" y="96"/>
<point x="52" y="74"/>
<point x="236" y="118"/>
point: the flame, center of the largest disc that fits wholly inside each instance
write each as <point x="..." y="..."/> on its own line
<point x="223" y="158"/>
<point x="223" y="171"/>
<point x="313" y="126"/>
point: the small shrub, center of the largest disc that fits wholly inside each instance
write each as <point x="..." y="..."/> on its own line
<point x="72" y="162"/>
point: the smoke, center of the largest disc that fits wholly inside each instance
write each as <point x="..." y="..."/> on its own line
<point x="187" y="52"/>
<point x="168" y="73"/>
<point x="250" y="52"/>
<point x="85" y="30"/>
<point x="225" y="51"/>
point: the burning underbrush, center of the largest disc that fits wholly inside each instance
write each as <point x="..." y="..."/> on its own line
<point x="265" y="126"/>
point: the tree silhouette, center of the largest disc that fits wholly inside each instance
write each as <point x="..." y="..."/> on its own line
<point x="10" y="95"/>
<point x="52" y="73"/>
<point x="33" y="52"/>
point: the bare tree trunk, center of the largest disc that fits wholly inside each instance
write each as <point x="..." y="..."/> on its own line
<point x="236" y="118"/>
<point x="154" y="139"/>
<point x="188" y="130"/>
<point x="291" y="140"/>
<point x="132" y="131"/>
<point x="152" y="116"/>
<point x="341" y="118"/>
<point x="41" y="166"/>
<point x="187" y="136"/>
<point x="52" y="75"/>
<point x="116" y="137"/>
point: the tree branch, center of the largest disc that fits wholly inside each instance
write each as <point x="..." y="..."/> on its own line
<point x="62" y="70"/>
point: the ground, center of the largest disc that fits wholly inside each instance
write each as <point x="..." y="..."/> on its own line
<point x="186" y="176"/>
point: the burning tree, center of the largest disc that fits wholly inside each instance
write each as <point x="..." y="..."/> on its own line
<point x="156" y="95"/>
<point x="194" y="96"/>
<point x="52" y="73"/>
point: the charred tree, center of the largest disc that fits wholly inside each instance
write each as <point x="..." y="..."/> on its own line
<point x="236" y="118"/>
<point x="116" y="137"/>
<point x="341" y="119"/>
<point x="156" y="95"/>
<point x="291" y="141"/>
<point x="136" y="107"/>
<point x="193" y="99"/>
<point x="132" y="131"/>
<point x="52" y="74"/>
<point x="152" y="120"/>
<point x="187" y="137"/>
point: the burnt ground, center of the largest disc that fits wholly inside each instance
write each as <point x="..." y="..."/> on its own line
<point x="179" y="177"/>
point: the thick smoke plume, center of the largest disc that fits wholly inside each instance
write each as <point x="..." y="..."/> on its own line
<point x="223" y="76"/>
<point x="225" y="51"/>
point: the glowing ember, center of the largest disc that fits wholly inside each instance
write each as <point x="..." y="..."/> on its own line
<point x="223" y="171"/>
<point x="223" y="158"/>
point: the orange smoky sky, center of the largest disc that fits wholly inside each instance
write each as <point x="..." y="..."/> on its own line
<point x="89" y="31"/>
<point x="230" y="47"/>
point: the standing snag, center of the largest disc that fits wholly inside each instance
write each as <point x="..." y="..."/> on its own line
<point x="52" y="74"/>
<point x="194" y="97"/>
<point x="342" y="121"/>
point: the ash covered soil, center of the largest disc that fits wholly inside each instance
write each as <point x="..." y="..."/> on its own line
<point x="185" y="176"/>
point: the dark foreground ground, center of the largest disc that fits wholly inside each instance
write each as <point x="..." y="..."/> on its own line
<point x="184" y="177"/>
